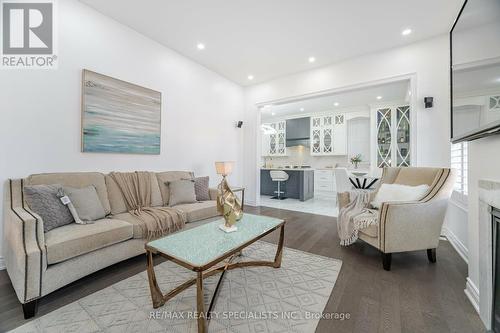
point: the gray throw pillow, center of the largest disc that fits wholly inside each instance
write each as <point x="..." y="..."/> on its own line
<point x="44" y="201"/>
<point x="201" y="188"/>
<point x="86" y="202"/>
<point x="181" y="192"/>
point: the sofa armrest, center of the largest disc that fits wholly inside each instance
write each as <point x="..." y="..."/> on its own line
<point x="213" y="193"/>
<point x="23" y="247"/>
<point x="411" y="226"/>
<point x="24" y="257"/>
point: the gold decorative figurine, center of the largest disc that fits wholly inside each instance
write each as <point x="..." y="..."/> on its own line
<point x="228" y="203"/>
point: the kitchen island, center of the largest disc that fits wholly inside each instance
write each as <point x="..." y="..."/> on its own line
<point x="300" y="184"/>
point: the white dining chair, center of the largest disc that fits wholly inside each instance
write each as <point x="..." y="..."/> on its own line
<point x="342" y="182"/>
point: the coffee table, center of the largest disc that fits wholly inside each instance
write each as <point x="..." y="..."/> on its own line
<point x="204" y="250"/>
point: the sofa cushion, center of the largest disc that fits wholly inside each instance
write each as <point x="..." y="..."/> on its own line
<point x="117" y="201"/>
<point x="74" y="239"/>
<point x="168" y="176"/>
<point x="138" y="225"/>
<point x="181" y="192"/>
<point x="199" y="210"/>
<point x="201" y="188"/>
<point x="87" y="205"/>
<point x="75" y="179"/>
<point x="44" y="200"/>
<point x="416" y="176"/>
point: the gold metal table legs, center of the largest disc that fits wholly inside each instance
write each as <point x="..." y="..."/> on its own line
<point x="159" y="298"/>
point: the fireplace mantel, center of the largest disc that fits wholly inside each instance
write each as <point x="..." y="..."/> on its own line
<point x="489" y="196"/>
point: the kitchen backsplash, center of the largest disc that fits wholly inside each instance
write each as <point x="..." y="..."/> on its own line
<point x="300" y="155"/>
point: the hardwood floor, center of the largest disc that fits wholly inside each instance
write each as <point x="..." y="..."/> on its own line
<point x="415" y="296"/>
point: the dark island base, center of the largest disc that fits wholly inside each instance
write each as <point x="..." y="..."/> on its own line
<point x="300" y="185"/>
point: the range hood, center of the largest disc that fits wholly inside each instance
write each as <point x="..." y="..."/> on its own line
<point x="298" y="132"/>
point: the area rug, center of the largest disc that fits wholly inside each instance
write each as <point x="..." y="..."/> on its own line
<point x="251" y="299"/>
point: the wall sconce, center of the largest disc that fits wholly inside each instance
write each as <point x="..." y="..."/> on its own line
<point x="428" y="102"/>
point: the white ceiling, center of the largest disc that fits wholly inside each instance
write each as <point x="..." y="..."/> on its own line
<point x="390" y="92"/>
<point x="272" y="38"/>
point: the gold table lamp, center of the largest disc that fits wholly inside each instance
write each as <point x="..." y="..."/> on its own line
<point x="228" y="203"/>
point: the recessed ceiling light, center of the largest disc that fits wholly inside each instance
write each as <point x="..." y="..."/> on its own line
<point x="301" y="109"/>
<point x="200" y="46"/>
<point x="406" y="32"/>
<point x="336" y="103"/>
<point x="312" y="59"/>
<point x="273" y="114"/>
<point x="379" y="97"/>
<point x="250" y="77"/>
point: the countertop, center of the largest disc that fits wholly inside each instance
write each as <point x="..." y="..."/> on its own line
<point x="289" y="169"/>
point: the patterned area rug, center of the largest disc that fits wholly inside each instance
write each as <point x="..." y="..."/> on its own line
<point x="252" y="299"/>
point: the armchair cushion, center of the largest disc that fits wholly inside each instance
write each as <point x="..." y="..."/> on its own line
<point x="397" y="192"/>
<point x="72" y="240"/>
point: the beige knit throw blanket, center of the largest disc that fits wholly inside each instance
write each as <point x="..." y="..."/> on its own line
<point x="355" y="216"/>
<point x="157" y="221"/>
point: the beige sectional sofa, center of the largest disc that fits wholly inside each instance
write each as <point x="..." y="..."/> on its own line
<point x="39" y="263"/>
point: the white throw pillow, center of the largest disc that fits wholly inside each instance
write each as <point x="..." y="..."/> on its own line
<point x="397" y="192"/>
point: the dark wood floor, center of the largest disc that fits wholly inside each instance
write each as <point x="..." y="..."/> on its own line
<point x="415" y="296"/>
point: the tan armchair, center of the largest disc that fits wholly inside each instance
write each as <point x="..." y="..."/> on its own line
<point x="410" y="226"/>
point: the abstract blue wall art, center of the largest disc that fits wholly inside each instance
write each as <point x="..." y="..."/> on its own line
<point x="119" y="117"/>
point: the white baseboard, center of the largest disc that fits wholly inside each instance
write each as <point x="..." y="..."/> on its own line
<point x="457" y="244"/>
<point x="472" y="293"/>
<point x="2" y="264"/>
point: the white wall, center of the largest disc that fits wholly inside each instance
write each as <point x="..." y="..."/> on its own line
<point x="428" y="60"/>
<point x="40" y="109"/>
<point x="455" y="227"/>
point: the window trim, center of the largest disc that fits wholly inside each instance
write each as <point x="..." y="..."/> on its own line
<point x="460" y="196"/>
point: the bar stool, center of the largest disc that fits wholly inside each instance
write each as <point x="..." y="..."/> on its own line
<point x="279" y="176"/>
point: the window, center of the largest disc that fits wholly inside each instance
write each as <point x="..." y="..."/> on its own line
<point x="459" y="162"/>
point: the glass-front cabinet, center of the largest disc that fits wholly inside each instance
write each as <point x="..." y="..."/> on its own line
<point x="274" y="144"/>
<point x="328" y="133"/>
<point x="393" y="126"/>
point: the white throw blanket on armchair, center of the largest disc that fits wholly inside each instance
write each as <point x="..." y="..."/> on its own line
<point x="355" y="216"/>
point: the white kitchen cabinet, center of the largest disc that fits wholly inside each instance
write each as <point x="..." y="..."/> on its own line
<point x="324" y="182"/>
<point x="393" y="129"/>
<point x="340" y="135"/>
<point x="275" y="144"/>
<point x="328" y="135"/>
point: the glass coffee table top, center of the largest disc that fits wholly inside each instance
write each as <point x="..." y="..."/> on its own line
<point x="201" y="245"/>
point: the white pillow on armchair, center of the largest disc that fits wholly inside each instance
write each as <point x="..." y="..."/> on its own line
<point x="398" y="192"/>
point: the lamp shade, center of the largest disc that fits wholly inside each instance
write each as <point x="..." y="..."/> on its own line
<point x="224" y="168"/>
